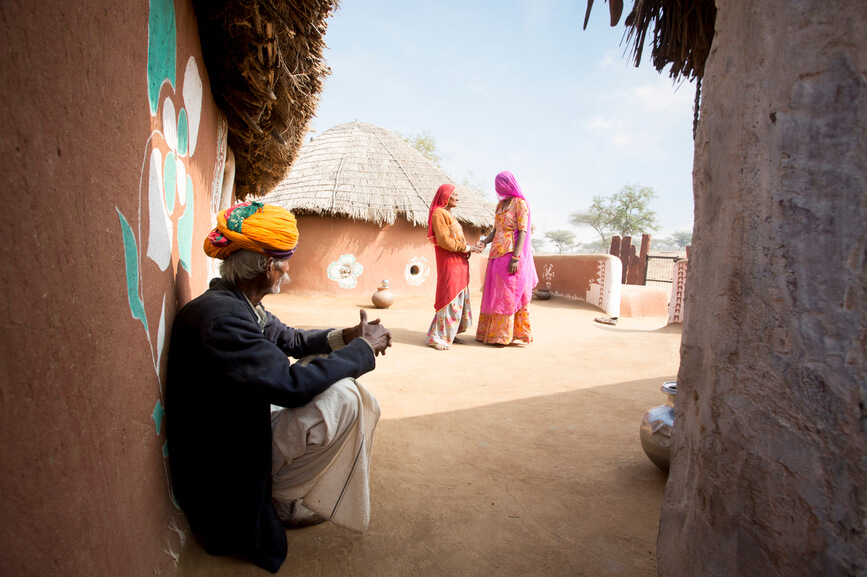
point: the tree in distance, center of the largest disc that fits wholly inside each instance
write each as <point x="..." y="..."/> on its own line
<point x="624" y="213"/>
<point x="561" y="239"/>
<point x="678" y="241"/>
<point x="424" y="143"/>
<point x="681" y="239"/>
<point x="538" y="245"/>
<point x="595" y="247"/>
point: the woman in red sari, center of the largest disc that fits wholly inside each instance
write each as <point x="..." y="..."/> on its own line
<point x="453" y="313"/>
<point x="511" y="273"/>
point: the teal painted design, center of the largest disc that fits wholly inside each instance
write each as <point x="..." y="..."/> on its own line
<point x="158" y="414"/>
<point x="130" y="251"/>
<point x="235" y="220"/>
<point x="185" y="230"/>
<point x="170" y="180"/>
<point x="166" y="455"/>
<point x="162" y="49"/>
<point x="183" y="132"/>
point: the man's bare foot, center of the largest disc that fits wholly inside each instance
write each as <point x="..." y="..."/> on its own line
<point x="458" y="341"/>
<point x="441" y="347"/>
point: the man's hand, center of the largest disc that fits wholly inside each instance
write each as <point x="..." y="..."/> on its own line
<point x="374" y="333"/>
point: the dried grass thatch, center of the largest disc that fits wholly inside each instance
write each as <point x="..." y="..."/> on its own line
<point x="365" y="172"/>
<point x="682" y="32"/>
<point x="264" y="60"/>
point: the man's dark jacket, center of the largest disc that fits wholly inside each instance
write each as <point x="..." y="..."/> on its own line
<point x="223" y="375"/>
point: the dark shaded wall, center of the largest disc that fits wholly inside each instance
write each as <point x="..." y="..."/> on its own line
<point x="107" y="178"/>
<point x="769" y="453"/>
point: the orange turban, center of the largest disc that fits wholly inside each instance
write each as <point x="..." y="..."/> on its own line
<point x="263" y="228"/>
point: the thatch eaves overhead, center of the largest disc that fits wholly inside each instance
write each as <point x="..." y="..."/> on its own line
<point x="264" y="61"/>
<point x="365" y="172"/>
<point x="682" y="32"/>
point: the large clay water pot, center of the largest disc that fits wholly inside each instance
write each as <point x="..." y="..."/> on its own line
<point x="383" y="297"/>
<point x="656" y="428"/>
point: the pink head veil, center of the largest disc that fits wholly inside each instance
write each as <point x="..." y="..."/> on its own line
<point x="507" y="187"/>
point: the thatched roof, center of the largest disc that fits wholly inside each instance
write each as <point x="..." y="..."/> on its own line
<point x="682" y="32"/>
<point x="365" y="172"/>
<point x="264" y="60"/>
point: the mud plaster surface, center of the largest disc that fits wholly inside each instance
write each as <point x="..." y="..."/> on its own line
<point x="522" y="460"/>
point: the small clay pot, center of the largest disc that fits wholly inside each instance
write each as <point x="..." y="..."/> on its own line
<point x="383" y="297"/>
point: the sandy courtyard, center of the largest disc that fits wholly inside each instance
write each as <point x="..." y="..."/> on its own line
<point x="507" y="461"/>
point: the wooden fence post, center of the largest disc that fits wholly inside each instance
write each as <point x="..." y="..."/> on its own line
<point x="615" y="246"/>
<point x="642" y="263"/>
<point x="625" y="253"/>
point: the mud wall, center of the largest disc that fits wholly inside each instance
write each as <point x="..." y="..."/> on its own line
<point x="340" y="256"/>
<point x="112" y="147"/>
<point x="592" y="278"/>
<point x="768" y="473"/>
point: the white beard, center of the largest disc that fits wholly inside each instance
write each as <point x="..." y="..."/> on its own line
<point x="283" y="280"/>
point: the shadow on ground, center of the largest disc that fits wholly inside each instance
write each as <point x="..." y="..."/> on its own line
<point x="553" y="485"/>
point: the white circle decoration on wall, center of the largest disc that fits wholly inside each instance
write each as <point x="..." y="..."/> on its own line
<point x="417" y="270"/>
<point x="345" y="271"/>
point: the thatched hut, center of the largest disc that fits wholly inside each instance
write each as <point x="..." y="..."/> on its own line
<point x="362" y="194"/>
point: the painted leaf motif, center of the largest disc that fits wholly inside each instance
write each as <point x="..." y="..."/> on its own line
<point x="136" y="306"/>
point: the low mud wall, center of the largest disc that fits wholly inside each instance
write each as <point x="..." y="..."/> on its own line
<point x="592" y="278"/>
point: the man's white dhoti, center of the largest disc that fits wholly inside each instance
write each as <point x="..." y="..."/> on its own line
<point x="321" y="453"/>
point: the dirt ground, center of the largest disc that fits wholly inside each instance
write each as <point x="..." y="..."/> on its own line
<point x="520" y="460"/>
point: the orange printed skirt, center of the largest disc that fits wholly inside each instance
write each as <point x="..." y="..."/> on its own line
<point x="494" y="329"/>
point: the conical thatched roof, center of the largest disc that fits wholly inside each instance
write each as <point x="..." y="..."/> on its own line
<point x="365" y="172"/>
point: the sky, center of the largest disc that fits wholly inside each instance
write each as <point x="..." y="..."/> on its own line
<point x="517" y="85"/>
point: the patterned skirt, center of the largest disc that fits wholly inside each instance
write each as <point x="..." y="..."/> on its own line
<point x="456" y="317"/>
<point x="497" y="329"/>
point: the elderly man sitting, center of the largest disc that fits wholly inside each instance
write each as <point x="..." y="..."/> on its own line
<point x="239" y="471"/>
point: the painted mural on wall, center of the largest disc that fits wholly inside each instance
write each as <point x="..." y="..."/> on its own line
<point x="548" y="275"/>
<point x="603" y="288"/>
<point x="675" y="305"/>
<point x="345" y="271"/>
<point x="165" y="186"/>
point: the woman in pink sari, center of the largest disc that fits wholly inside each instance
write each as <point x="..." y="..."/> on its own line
<point x="511" y="274"/>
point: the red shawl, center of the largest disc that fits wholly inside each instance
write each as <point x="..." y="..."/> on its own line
<point x="453" y="270"/>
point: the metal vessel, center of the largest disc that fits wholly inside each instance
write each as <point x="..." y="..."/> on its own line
<point x="656" y="428"/>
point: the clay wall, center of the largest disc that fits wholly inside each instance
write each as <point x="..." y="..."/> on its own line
<point x="592" y="278"/>
<point x="112" y="147"/>
<point x="769" y="452"/>
<point x="340" y="256"/>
